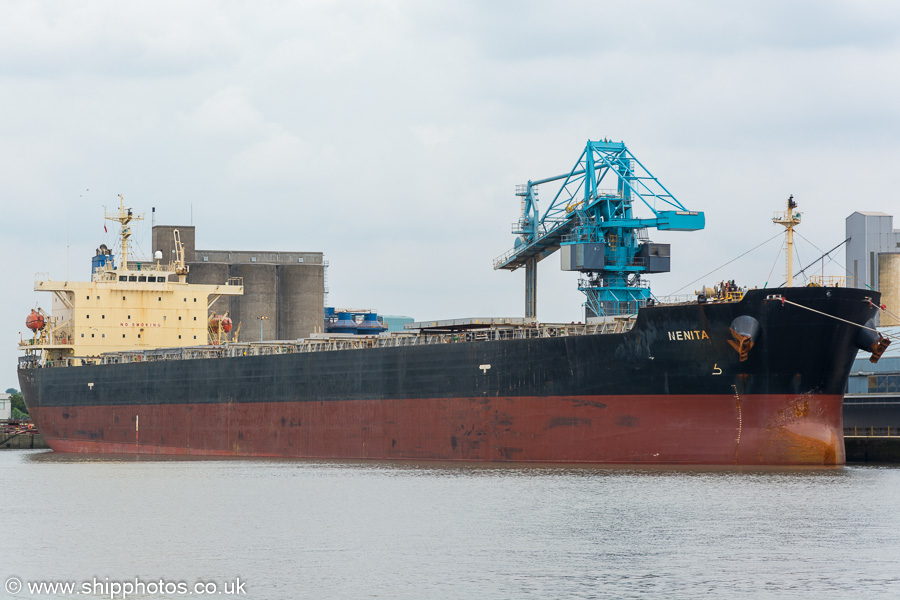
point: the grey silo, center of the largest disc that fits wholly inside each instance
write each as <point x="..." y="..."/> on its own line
<point x="285" y="287"/>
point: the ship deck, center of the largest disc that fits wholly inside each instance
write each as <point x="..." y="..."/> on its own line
<point x="432" y="332"/>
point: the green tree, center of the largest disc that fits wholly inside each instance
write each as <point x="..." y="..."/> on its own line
<point x="12" y="391"/>
<point x="18" y="405"/>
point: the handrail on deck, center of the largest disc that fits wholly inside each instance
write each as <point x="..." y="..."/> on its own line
<point x="328" y="344"/>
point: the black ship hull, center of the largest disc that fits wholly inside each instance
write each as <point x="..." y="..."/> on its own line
<point x="673" y="389"/>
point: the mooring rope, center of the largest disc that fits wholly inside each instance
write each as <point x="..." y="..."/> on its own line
<point x="726" y="264"/>
<point x="786" y="301"/>
<point x="885" y="309"/>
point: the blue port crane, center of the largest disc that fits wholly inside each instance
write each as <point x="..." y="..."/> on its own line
<point x="596" y="230"/>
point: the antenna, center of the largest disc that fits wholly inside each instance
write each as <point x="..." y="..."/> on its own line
<point x="789" y="219"/>
<point x="124" y="217"/>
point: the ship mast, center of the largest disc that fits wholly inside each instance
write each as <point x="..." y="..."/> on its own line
<point x="124" y="217"/>
<point x="790" y="219"/>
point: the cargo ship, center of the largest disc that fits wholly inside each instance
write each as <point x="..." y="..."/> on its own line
<point x="730" y="376"/>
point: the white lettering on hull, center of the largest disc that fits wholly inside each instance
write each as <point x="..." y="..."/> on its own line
<point x="688" y="335"/>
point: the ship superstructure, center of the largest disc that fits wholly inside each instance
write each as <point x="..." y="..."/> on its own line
<point x="127" y="305"/>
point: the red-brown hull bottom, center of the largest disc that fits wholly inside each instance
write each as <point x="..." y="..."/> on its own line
<point x="756" y="429"/>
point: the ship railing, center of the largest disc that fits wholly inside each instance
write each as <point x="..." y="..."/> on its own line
<point x="29" y="361"/>
<point x="53" y="333"/>
<point x="149" y="265"/>
<point x="872" y="431"/>
<point x="326" y="344"/>
<point x="507" y="255"/>
<point x="63" y="334"/>
<point x="676" y="299"/>
<point x="583" y="234"/>
<point x="829" y="281"/>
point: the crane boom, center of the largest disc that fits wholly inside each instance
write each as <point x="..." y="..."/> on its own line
<point x="596" y="229"/>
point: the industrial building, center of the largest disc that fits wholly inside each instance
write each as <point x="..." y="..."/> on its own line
<point x="872" y="401"/>
<point x="5" y="407"/>
<point x="284" y="292"/>
<point x="873" y="258"/>
<point x="872" y="408"/>
<point x="395" y="322"/>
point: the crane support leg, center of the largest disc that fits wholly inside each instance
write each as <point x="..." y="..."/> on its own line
<point x="531" y="288"/>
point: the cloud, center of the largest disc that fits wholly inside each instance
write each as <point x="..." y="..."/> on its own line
<point x="50" y="39"/>
<point x="431" y="135"/>
<point x="228" y="113"/>
<point x="531" y="30"/>
<point x="280" y="157"/>
<point x="258" y="150"/>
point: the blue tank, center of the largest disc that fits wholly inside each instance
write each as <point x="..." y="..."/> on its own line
<point x="370" y="325"/>
<point x="344" y="324"/>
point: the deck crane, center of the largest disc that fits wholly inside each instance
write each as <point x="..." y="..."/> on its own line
<point x="596" y="231"/>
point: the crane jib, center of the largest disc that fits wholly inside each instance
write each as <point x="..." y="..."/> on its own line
<point x="597" y="231"/>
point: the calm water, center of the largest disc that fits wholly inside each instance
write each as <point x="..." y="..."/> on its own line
<point x="293" y="529"/>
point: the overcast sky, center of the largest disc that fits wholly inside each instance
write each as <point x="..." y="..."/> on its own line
<point x="391" y="135"/>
